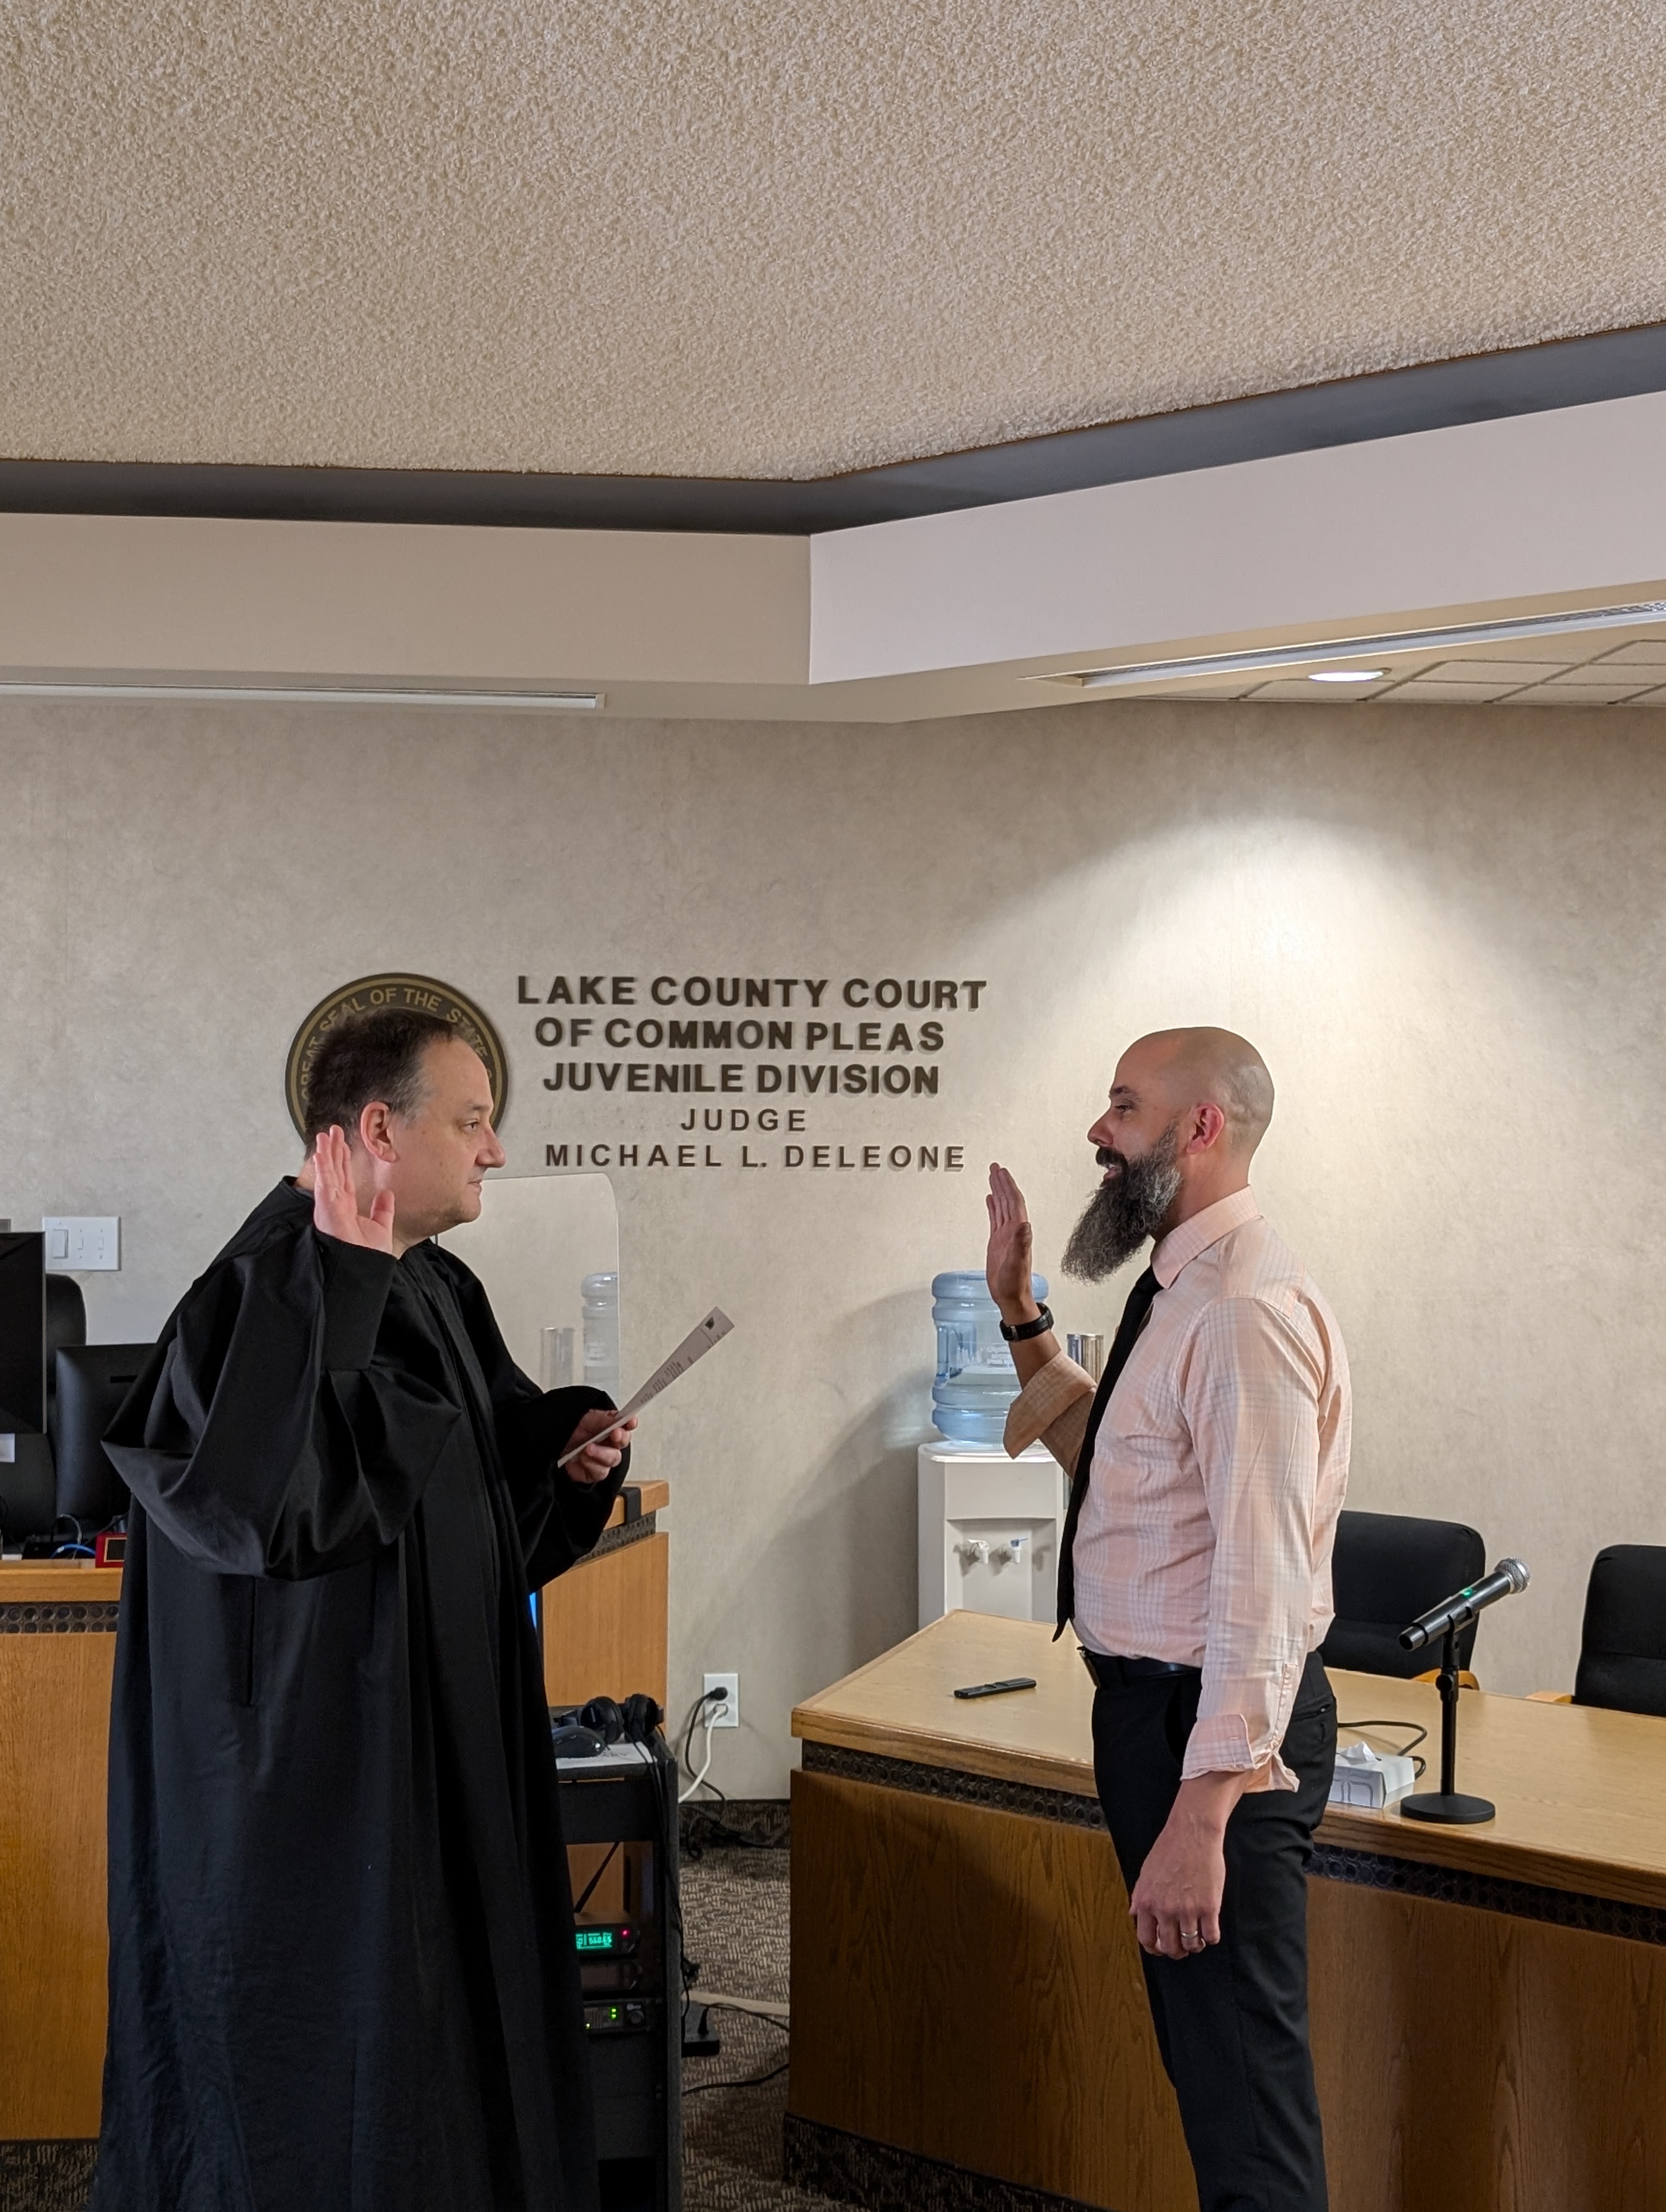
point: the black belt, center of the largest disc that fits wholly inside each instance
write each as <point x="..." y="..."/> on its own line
<point x="1113" y="1674"/>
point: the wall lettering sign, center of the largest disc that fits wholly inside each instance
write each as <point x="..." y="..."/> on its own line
<point x="789" y="1044"/>
<point x="420" y="995"/>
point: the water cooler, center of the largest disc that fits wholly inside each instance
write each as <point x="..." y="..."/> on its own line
<point x="989" y="1531"/>
<point x="989" y="1526"/>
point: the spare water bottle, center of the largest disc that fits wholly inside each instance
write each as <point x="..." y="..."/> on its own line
<point x="976" y="1381"/>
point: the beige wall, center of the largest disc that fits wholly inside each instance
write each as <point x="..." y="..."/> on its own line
<point x="1443" y="927"/>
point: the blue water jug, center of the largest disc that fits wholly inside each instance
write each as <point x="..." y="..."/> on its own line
<point x="975" y="1382"/>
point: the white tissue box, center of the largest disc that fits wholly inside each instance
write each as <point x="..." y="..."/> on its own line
<point x="1369" y="1780"/>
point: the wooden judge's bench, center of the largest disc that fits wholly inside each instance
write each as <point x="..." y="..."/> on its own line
<point x="603" y="1633"/>
<point x="970" y="2026"/>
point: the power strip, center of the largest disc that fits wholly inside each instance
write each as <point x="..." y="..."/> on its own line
<point x="1368" y="1780"/>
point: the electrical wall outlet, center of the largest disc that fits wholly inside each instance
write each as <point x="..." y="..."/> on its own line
<point x="728" y="1715"/>
<point x="84" y="1243"/>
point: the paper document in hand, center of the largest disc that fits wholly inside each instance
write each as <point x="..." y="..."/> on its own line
<point x="695" y="1345"/>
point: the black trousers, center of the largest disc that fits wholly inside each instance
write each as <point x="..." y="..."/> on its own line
<point x="1231" y="2021"/>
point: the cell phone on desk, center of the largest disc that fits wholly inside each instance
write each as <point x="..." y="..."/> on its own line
<point x="997" y="1689"/>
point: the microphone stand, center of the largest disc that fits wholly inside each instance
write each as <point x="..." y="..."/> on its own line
<point x="1448" y="1804"/>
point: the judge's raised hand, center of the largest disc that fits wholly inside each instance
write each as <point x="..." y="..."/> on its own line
<point x="1007" y="1267"/>
<point x="335" y="1199"/>
<point x="604" y="1437"/>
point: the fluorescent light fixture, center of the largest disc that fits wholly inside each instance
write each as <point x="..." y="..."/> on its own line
<point x="306" y="695"/>
<point x="1348" y="676"/>
<point x="1355" y="649"/>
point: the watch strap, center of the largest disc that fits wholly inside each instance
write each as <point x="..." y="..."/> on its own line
<point x="1039" y="1326"/>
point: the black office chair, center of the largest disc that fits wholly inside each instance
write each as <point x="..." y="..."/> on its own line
<point x="1622" y="1648"/>
<point x="93" y="1380"/>
<point x="1386" y="1568"/>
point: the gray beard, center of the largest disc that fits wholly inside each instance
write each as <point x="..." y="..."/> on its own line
<point x="1120" y="1215"/>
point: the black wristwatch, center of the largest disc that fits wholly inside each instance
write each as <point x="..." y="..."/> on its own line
<point x="1039" y="1326"/>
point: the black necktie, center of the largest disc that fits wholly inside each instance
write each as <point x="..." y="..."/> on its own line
<point x="1134" y="1316"/>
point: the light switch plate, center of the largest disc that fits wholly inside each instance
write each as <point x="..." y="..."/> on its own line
<point x="83" y="1244"/>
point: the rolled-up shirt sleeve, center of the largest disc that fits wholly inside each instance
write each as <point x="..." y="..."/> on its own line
<point x="1052" y="1408"/>
<point x="1250" y="1386"/>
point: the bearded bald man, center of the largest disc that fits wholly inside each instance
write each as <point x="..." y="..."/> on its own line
<point x="1208" y="1470"/>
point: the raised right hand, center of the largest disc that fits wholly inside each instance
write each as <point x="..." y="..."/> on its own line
<point x="335" y="1200"/>
<point x="1007" y="1267"/>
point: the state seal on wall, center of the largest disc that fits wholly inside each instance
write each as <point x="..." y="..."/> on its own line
<point x="420" y="995"/>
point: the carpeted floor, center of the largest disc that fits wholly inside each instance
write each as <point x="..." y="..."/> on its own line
<point x="735" y="1925"/>
<point x="52" y="2177"/>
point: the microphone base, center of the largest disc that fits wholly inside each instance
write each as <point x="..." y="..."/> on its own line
<point x="1449" y="1807"/>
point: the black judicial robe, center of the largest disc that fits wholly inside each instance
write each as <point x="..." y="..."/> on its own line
<point x="341" y="1969"/>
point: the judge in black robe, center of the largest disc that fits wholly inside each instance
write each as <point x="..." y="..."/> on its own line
<point x="341" y="1969"/>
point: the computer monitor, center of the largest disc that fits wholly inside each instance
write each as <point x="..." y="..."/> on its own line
<point x="23" y="1333"/>
<point x="93" y="1379"/>
<point x="29" y="1489"/>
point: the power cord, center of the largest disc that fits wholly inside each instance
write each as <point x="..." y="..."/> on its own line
<point x="769" y="2014"/>
<point x="688" y="1969"/>
<point x="748" y="2081"/>
<point x="778" y="2016"/>
<point x="696" y="1717"/>
<point x="707" y="1829"/>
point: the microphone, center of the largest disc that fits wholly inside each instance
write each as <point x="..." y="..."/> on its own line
<point x="1505" y="1579"/>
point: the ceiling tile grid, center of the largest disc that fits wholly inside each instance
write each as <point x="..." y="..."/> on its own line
<point x="1588" y="671"/>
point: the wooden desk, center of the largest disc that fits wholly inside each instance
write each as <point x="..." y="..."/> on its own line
<point x="57" y="1650"/>
<point x="603" y="1633"/>
<point x="605" y="1622"/>
<point x="1487" y="2003"/>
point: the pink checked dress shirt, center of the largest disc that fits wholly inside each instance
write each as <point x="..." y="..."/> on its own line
<point x="1218" y="1474"/>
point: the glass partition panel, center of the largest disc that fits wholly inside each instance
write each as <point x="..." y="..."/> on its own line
<point x="547" y="1250"/>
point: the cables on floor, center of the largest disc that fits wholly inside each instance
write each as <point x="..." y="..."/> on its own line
<point x="706" y="1827"/>
<point x="748" y="2081"/>
<point x="778" y="2016"/>
<point x="772" y="2016"/>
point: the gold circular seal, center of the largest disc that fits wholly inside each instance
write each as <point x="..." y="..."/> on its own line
<point x="417" y="993"/>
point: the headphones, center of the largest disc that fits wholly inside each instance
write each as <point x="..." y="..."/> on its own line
<point x="634" y="1721"/>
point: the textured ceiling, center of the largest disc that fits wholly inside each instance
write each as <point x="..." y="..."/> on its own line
<point x="737" y="237"/>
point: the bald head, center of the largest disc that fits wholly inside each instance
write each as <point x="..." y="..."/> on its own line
<point x="1185" y="1114"/>
<point x="1205" y="1067"/>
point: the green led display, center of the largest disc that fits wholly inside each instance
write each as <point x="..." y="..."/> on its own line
<point x="598" y="1939"/>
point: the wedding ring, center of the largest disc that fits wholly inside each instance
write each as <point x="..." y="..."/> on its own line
<point x="1192" y="1938"/>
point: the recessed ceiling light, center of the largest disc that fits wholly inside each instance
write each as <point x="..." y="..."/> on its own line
<point x="1351" y="649"/>
<point x="1346" y="676"/>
